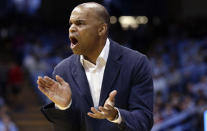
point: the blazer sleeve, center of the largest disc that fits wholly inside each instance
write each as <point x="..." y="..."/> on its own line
<point x="139" y="115"/>
<point x="62" y="120"/>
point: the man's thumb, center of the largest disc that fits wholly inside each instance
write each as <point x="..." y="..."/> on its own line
<point x="60" y="79"/>
<point x="112" y="95"/>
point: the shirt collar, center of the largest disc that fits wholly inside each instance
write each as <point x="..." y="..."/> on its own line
<point x="102" y="57"/>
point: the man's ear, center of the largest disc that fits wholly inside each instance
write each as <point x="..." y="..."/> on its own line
<point x="102" y="30"/>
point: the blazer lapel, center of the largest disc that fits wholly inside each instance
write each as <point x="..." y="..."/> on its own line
<point x="111" y="71"/>
<point x="81" y="80"/>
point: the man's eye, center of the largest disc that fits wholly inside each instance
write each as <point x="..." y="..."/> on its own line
<point x="78" y="23"/>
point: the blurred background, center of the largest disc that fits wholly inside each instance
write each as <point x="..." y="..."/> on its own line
<point x="172" y="33"/>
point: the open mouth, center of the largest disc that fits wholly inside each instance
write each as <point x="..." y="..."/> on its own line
<point x="73" y="41"/>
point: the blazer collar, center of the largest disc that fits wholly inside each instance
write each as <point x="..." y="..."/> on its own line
<point x="111" y="71"/>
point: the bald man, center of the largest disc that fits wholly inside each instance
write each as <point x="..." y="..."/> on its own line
<point x="102" y="86"/>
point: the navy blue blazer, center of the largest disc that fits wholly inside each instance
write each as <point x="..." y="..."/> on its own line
<point x="126" y="71"/>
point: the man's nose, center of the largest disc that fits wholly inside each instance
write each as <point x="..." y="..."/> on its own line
<point x="72" y="28"/>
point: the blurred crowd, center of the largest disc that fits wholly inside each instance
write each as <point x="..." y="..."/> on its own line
<point x="180" y="81"/>
<point x="179" y="72"/>
<point x="25" y="56"/>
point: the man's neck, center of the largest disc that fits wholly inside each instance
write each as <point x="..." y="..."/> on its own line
<point x="94" y="55"/>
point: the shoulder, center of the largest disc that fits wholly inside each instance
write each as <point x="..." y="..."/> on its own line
<point x="66" y="63"/>
<point x="136" y="62"/>
<point x="139" y="60"/>
<point x="130" y="55"/>
<point x="133" y="60"/>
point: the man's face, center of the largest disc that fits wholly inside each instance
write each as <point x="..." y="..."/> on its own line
<point x="83" y="32"/>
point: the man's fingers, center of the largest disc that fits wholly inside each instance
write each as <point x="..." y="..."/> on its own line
<point x="92" y="115"/>
<point x="109" y="107"/>
<point x="43" y="82"/>
<point x="95" y="111"/>
<point x="43" y="90"/>
<point x="96" y="114"/>
<point x="49" y="80"/>
<point x="112" y="95"/>
<point x="106" y="111"/>
<point x="49" y="94"/>
<point x="60" y="79"/>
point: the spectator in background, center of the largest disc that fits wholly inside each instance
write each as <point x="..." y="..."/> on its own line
<point x="3" y="78"/>
<point x="6" y="124"/>
<point x="15" y="83"/>
<point x="174" y="78"/>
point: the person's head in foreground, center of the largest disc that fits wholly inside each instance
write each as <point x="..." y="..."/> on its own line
<point x="89" y="23"/>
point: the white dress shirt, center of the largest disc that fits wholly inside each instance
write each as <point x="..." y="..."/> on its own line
<point x="94" y="73"/>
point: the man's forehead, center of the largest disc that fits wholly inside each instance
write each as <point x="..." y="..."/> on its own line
<point x="83" y="13"/>
<point x="80" y="13"/>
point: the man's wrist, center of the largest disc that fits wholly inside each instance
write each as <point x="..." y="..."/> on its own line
<point x="116" y="115"/>
<point x="63" y="108"/>
<point x="117" y="118"/>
